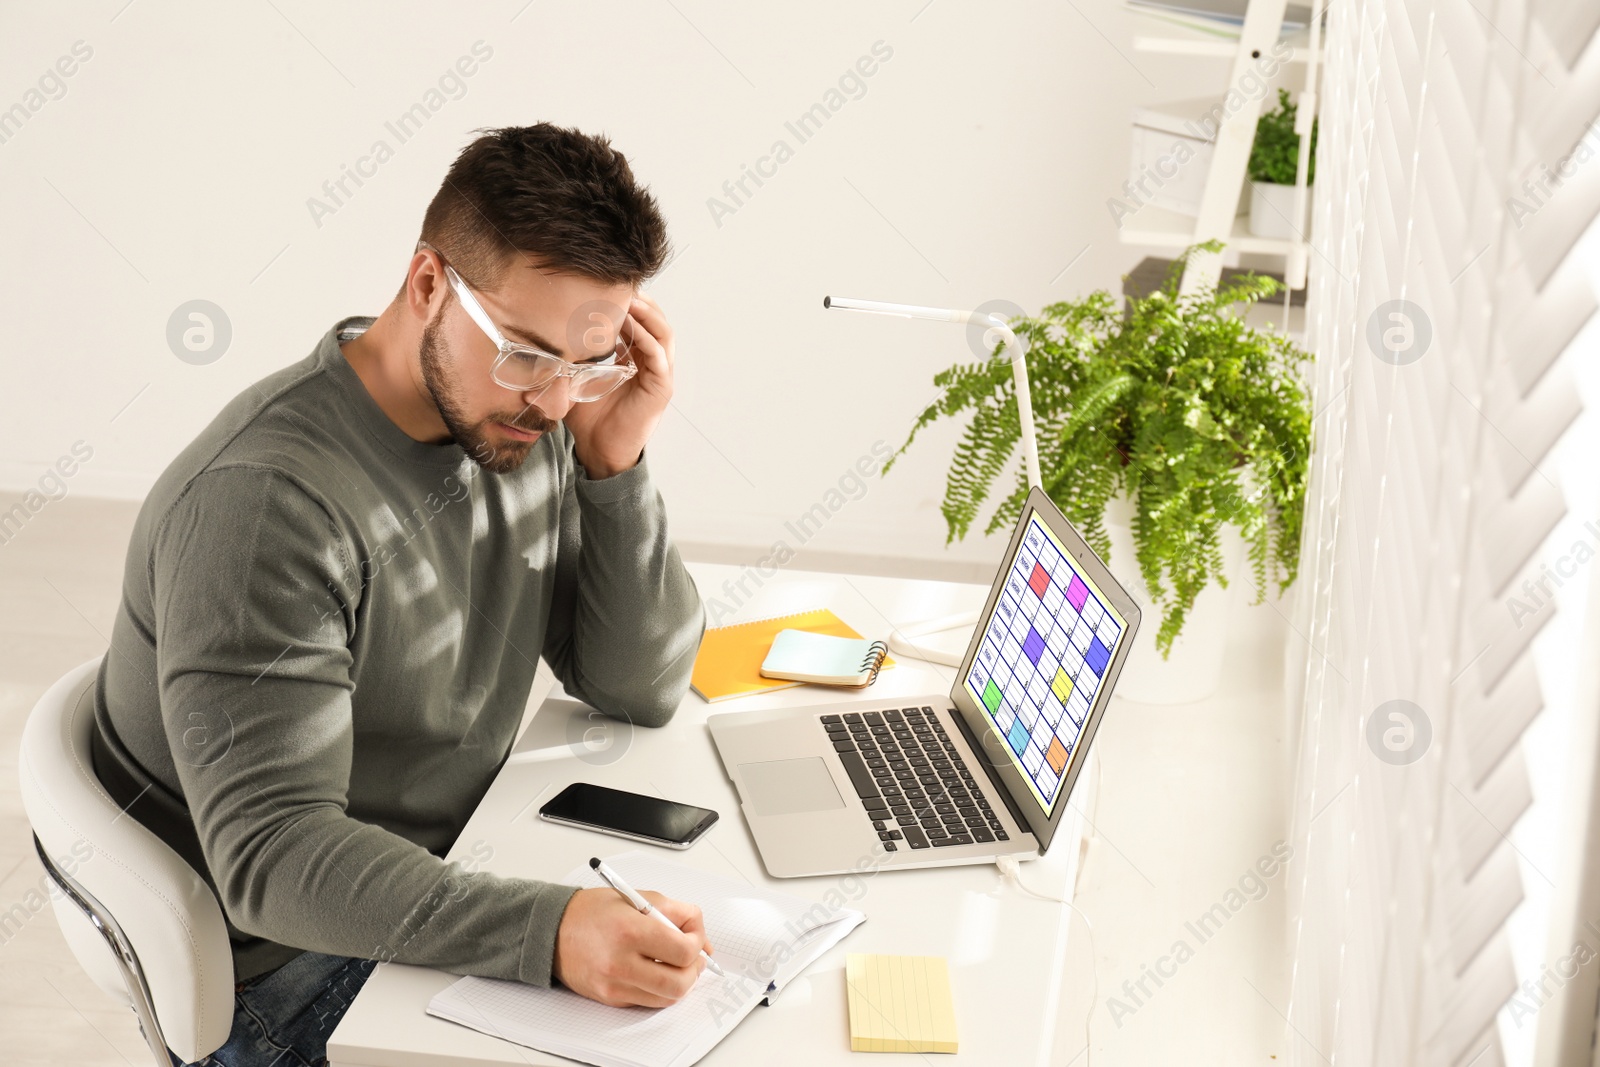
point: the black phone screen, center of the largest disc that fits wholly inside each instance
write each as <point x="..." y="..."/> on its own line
<point x="629" y="813"/>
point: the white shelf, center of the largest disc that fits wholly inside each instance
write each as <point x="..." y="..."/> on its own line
<point x="1261" y="44"/>
<point x="1203" y="45"/>
<point x="1159" y="228"/>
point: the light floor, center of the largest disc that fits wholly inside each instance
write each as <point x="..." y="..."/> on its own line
<point x="1191" y="796"/>
<point x="59" y="580"/>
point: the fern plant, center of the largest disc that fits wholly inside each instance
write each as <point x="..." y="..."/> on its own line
<point x="1169" y="402"/>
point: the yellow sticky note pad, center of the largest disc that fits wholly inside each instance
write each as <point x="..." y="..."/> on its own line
<point x="900" y="1004"/>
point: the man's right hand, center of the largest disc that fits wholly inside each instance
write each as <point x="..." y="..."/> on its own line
<point x="609" y="951"/>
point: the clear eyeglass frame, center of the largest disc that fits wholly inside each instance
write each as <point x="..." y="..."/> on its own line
<point x="524" y="368"/>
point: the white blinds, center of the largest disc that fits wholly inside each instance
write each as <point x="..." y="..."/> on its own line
<point x="1440" y="312"/>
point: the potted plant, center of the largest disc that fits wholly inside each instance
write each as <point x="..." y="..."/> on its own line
<point x="1170" y="418"/>
<point x="1274" y="156"/>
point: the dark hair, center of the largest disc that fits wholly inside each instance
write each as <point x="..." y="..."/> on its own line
<point x="565" y="197"/>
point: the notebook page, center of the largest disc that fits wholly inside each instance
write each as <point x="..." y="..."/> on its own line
<point x="746" y="926"/>
<point x="810" y="655"/>
<point x="562" y="1022"/>
<point x="747" y="922"/>
<point x="807" y="948"/>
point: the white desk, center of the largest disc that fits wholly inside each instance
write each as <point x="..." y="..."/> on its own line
<point x="1005" y="949"/>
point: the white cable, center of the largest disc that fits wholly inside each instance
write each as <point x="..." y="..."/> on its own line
<point x="1011" y="871"/>
<point x="901" y="646"/>
<point x="1099" y="776"/>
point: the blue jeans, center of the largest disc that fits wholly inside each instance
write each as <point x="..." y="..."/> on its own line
<point x="283" y="1018"/>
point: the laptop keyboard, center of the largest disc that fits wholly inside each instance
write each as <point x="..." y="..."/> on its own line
<point x="911" y="779"/>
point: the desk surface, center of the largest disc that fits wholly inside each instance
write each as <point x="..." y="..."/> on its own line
<point x="1005" y="949"/>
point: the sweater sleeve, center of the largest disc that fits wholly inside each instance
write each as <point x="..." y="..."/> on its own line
<point x="255" y="603"/>
<point x="625" y="619"/>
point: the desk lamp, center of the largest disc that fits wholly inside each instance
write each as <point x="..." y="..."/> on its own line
<point x="1017" y="352"/>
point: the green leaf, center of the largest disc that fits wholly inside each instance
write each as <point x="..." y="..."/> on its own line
<point x="1275" y="153"/>
<point x="1168" y="398"/>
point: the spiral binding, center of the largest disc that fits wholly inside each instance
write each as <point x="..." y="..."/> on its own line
<point x="874" y="661"/>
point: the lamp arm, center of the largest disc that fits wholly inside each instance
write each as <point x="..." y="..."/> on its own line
<point x="1019" y="376"/>
<point x="1016" y="353"/>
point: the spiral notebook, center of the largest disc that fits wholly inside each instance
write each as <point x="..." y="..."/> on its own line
<point x="802" y="656"/>
<point x="729" y="662"/>
<point x="763" y="940"/>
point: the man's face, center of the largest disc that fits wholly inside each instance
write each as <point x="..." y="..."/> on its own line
<point x="569" y="316"/>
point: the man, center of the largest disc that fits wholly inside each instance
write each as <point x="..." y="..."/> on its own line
<point x="336" y="596"/>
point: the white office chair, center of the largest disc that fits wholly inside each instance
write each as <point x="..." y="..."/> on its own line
<point x="169" y="958"/>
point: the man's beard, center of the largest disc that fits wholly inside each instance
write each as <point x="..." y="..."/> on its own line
<point x="496" y="458"/>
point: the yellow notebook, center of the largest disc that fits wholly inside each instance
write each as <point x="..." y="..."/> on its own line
<point x="729" y="662"/>
<point x="900" y="1004"/>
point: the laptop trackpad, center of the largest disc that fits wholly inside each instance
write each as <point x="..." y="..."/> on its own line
<point x="790" y="786"/>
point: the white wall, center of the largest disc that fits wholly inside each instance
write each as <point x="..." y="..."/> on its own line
<point x="179" y="162"/>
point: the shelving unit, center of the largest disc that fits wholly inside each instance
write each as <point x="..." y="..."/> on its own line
<point x="1152" y="272"/>
<point x="1159" y="228"/>
<point x="1203" y="46"/>
<point x="1218" y="216"/>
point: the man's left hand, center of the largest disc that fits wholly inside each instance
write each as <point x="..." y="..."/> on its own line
<point x="609" y="434"/>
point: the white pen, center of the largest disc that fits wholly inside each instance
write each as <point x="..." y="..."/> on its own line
<point x="614" y="880"/>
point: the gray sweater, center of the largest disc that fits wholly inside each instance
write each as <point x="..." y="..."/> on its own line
<point x="327" y="637"/>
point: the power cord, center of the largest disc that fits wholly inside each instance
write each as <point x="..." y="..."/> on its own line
<point x="900" y="642"/>
<point x="1011" y="871"/>
<point x="1099" y="776"/>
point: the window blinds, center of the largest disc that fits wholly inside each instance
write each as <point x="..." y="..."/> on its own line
<point x="1442" y="309"/>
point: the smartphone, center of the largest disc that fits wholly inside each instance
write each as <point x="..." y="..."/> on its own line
<point x="638" y="818"/>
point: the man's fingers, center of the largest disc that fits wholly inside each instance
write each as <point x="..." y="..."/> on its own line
<point x="655" y="940"/>
<point x="685" y="917"/>
<point x="645" y="349"/>
<point x="649" y="313"/>
<point x="666" y="981"/>
<point x="667" y="963"/>
<point x="679" y="950"/>
<point x="607" y="951"/>
<point x="628" y="996"/>
<point x="655" y="984"/>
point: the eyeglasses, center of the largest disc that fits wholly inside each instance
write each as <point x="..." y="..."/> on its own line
<point x="522" y="367"/>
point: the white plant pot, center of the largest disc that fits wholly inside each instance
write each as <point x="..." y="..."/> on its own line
<point x="1272" y="210"/>
<point x="1193" y="670"/>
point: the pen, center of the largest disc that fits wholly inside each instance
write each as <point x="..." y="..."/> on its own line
<point x="614" y="880"/>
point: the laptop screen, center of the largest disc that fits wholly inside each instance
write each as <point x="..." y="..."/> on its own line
<point x="1044" y="654"/>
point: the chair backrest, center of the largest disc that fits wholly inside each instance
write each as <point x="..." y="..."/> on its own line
<point x="167" y="913"/>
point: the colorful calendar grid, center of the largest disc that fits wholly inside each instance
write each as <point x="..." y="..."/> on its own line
<point x="1043" y="658"/>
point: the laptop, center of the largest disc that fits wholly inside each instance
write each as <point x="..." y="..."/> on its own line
<point x="982" y="771"/>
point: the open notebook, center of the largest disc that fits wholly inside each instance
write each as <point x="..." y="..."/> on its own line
<point x="763" y="940"/>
